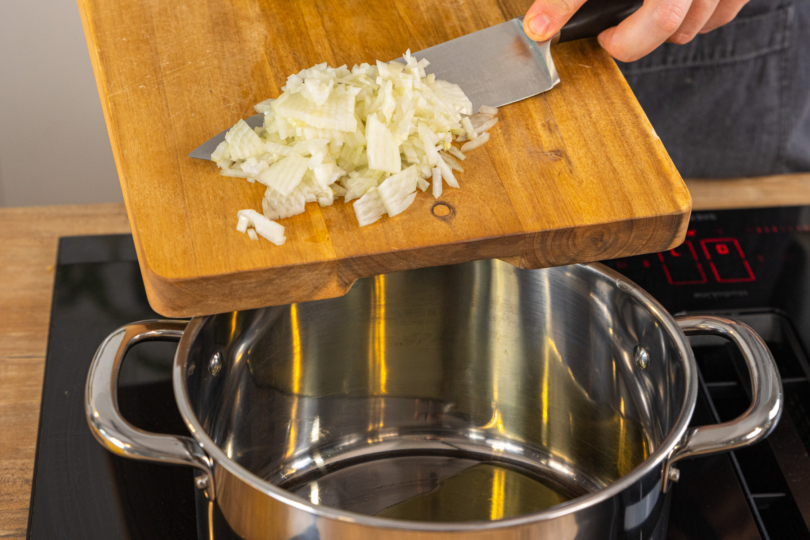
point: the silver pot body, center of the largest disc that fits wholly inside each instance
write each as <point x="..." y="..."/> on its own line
<point x="476" y="400"/>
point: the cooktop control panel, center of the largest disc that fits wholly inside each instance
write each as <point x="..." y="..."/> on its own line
<point x="730" y="259"/>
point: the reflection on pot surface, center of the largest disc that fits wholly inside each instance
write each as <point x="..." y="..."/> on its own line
<point x="422" y="385"/>
<point x="477" y="400"/>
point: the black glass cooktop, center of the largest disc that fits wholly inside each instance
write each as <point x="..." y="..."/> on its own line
<point x="753" y="265"/>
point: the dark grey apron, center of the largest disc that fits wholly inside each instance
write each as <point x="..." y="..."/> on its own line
<point x="735" y="101"/>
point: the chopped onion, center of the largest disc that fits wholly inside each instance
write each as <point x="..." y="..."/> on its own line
<point x="243" y="142"/>
<point x="471" y="133"/>
<point x="450" y="160"/>
<point x="447" y="174"/>
<point x="457" y="153"/>
<point x="383" y="151"/>
<point x="264" y="227"/>
<point x="369" y="208"/>
<point x="479" y="141"/>
<point x="486" y="125"/>
<point x="437" y="183"/>
<point x="372" y="135"/>
<point x="397" y="189"/>
<point x="285" y="175"/>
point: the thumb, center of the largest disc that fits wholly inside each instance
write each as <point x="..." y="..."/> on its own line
<point x="546" y="17"/>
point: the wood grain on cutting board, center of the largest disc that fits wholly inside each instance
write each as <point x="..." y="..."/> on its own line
<point x="575" y="174"/>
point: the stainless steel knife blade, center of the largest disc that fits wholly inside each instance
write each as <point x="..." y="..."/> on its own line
<point x="495" y="67"/>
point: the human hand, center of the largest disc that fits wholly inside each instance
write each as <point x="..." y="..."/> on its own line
<point x="657" y="21"/>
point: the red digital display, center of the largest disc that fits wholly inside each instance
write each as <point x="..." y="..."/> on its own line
<point x="684" y="264"/>
<point x="681" y="265"/>
<point x="727" y="260"/>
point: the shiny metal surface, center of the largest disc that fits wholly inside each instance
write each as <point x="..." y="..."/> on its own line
<point x="101" y="402"/>
<point x="759" y="420"/>
<point x="495" y="66"/>
<point x="428" y="403"/>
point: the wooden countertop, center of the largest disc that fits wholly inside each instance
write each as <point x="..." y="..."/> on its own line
<point x="28" y="243"/>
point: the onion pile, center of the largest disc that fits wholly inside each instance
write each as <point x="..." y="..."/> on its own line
<point x="372" y="135"/>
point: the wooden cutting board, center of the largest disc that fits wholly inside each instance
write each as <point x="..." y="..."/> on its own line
<point x="576" y="174"/>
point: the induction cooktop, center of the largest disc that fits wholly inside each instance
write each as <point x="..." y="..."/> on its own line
<point x="753" y="265"/>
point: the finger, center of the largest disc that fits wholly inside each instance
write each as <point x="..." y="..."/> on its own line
<point x="696" y="19"/>
<point x="724" y="14"/>
<point x="546" y="17"/>
<point x="643" y="31"/>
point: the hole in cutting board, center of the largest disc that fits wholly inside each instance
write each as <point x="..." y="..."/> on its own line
<point x="443" y="211"/>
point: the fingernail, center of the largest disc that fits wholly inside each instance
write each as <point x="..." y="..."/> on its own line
<point x="604" y="37"/>
<point x="601" y="40"/>
<point x="539" y="25"/>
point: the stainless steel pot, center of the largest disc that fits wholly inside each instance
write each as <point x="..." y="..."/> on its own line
<point x="477" y="401"/>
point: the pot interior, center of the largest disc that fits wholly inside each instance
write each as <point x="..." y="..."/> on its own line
<point x="460" y="393"/>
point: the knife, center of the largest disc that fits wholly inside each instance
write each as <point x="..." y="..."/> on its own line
<point x="501" y="64"/>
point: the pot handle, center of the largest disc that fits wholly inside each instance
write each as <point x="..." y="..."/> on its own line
<point x="112" y="430"/>
<point x="754" y="424"/>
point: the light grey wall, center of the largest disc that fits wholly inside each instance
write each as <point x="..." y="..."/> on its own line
<point x="53" y="142"/>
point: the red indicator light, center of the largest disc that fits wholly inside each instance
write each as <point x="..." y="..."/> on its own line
<point x="759" y="229"/>
<point x="646" y="263"/>
<point x="728" y="265"/>
<point x="691" y="232"/>
<point x="680" y="269"/>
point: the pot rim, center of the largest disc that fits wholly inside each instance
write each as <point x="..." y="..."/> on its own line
<point x="655" y="460"/>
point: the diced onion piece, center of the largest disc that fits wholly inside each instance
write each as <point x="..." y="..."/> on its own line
<point x="457" y="153"/>
<point x="383" y="150"/>
<point x="486" y="125"/>
<point x="447" y="174"/>
<point x="479" y="141"/>
<point x="477" y="120"/>
<point x="486" y="109"/>
<point x="437" y="183"/>
<point x="276" y="148"/>
<point x="427" y="140"/>
<point x="450" y="160"/>
<point x="264" y="227"/>
<point x="252" y="234"/>
<point x="471" y="134"/>
<point x="283" y="207"/>
<point x="243" y="142"/>
<point x="369" y="208"/>
<point x="422" y="184"/>
<point x="398" y="191"/>
<point x="285" y="175"/>
<point x="217" y="154"/>
<point x="254" y="167"/>
<point x="234" y="173"/>
<point x="319" y="90"/>
<point x="453" y="95"/>
<point x="265" y="106"/>
<point x="336" y="113"/>
<point x="242" y="224"/>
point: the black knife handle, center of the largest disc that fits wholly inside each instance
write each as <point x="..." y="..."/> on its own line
<point x="595" y="16"/>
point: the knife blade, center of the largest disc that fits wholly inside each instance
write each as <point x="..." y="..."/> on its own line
<point x="500" y="64"/>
